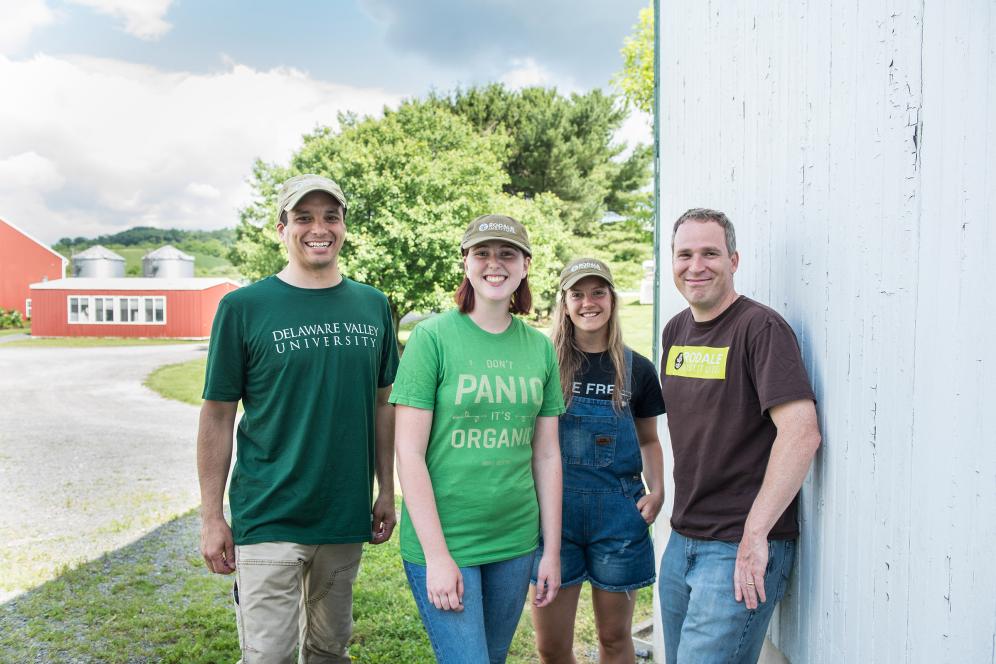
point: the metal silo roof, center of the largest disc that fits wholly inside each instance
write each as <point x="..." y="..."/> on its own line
<point x="97" y="251"/>
<point x="167" y="252"/>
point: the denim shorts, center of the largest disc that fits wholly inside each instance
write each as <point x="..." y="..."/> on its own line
<point x="604" y="539"/>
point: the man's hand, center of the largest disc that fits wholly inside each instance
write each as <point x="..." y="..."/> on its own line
<point x="748" y="572"/>
<point x="384" y="518"/>
<point x="650" y="506"/>
<point x="444" y="584"/>
<point x="217" y="546"/>
<point x="547" y="580"/>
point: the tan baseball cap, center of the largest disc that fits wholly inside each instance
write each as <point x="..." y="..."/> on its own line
<point x="496" y="227"/>
<point x="299" y="186"/>
<point x="579" y="268"/>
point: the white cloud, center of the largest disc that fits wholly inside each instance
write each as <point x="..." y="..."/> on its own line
<point x="201" y="190"/>
<point x="29" y="170"/>
<point x="142" y="18"/>
<point x="637" y="128"/>
<point x="524" y="73"/>
<point x="18" y="19"/>
<point x="97" y="145"/>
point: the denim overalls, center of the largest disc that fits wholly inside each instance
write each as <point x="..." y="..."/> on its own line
<point x="604" y="538"/>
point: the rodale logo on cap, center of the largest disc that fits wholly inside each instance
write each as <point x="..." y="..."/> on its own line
<point x="496" y="227"/>
<point x="504" y="228"/>
<point x="580" y="268"/>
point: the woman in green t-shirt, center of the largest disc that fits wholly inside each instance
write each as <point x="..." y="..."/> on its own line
<point x="478" y="396"/>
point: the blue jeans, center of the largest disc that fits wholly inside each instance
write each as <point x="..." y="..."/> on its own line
<point x="493" y="597"/>
<point x="703" y="622"/>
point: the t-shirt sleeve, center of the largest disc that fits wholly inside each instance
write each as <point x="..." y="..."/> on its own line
<point x="389" y="349"/>
<point x="553" y="395"/>
<point x="776" y="364"/>
<point x="418" y="372"/>
<point x="647" y="398"/>
<point x="224" y="379"/>
<point x="667" y="339"/>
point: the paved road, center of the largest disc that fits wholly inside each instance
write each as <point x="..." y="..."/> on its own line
<point x="90" y="459"/>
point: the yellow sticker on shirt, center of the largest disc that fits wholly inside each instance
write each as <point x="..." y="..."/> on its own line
<point x="697" y="362"/>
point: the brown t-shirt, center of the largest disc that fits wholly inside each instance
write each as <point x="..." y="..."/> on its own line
<point x="719" y="378"/>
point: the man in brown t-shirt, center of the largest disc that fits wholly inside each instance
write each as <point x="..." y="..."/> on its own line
<point x="743" y="426"/>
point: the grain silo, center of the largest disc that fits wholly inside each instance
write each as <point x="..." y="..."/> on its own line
<point x="98" y="261"/>
<point x="167" y="262"/>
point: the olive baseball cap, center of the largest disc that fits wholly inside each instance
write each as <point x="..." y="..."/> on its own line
<point x="299" y="186"/>
<point x="579" y="268"/>
<point x="496" y="227"/>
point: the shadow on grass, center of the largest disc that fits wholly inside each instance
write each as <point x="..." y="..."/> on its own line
<point x="153" y="601"/>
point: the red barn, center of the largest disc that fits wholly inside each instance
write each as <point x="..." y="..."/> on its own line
<point x="181" y="308"/>
<point x="23" y="261"/>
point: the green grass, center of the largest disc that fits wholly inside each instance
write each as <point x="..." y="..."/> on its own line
<point x="388" y="628"/>
<point x="181" y="382"/>
<point x="149" y="601"/>
<point x="91" y="342"/>
<point x="153" y="600"/>
<point x="637" y="321"/>
<point x="15" y="330"/>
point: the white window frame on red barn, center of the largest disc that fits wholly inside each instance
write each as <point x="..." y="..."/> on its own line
<point x="115" y="310"/>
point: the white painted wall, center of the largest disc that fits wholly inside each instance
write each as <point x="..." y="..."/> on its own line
<point x="853" y="144"/>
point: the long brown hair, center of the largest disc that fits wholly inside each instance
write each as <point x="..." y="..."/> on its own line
<point x="571" y="357"/>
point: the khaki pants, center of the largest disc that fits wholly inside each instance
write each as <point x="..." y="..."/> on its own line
<point x="288" y="594"/>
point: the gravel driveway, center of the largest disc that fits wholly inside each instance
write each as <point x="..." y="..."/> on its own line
<point x="90" y="459"/>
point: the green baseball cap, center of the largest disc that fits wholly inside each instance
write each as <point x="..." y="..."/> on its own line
<point x="579" y="268"/>
<point x="496" y="227"/>
<point x="299" y="186"/>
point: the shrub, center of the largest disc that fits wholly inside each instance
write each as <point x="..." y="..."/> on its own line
<point x="11" y="319"/>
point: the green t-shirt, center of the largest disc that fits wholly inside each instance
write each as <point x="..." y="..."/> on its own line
<point x="306" y="364"/>
<point x="486" y="391"/>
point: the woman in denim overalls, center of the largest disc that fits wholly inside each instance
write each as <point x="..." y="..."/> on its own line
<point x="607" y="437"/>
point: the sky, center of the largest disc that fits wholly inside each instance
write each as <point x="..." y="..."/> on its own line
<point x="122" y="113"/>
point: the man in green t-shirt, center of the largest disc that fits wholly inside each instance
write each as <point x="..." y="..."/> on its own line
<point x="312" y="356"/>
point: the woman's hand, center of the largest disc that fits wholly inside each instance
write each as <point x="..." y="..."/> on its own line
<point x="650" y="506"/>
<point x="444" y="584"/>
<point x="547" y="580"/>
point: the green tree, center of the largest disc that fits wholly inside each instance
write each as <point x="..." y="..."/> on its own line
<point x="561" y="145"/>
<point x="413" y="179"/>
<point x="257" y="251"/>
<point x="624" y="245"/>
<point x="205" y="242"/>
<point x="636" y="80"/>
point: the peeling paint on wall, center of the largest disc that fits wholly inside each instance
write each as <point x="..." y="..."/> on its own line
<point x="853" y="145"/>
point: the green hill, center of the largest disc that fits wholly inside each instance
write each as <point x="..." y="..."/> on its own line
<point x="209" y="248"/>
